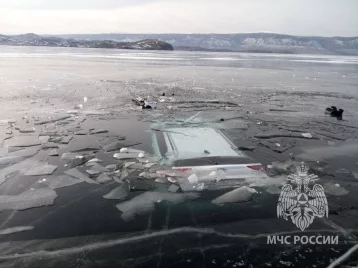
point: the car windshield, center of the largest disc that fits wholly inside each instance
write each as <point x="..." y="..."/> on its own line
<point x="178" y="133"/>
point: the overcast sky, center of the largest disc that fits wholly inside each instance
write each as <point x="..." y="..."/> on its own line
<point x="298" y="17"/>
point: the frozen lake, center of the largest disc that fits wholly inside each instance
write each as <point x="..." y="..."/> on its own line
<point x="55" y="101"/>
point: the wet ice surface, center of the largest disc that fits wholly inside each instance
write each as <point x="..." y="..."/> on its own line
<point x="266" y="104"/>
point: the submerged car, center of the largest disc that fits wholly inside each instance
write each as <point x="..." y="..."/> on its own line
<point x="206" y="156"/>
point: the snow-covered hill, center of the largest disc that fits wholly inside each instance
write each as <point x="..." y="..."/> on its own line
<point x="51" y="41"/>
<point x="253" y="42"/>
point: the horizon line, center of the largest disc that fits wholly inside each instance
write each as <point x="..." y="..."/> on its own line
<point x="233" y="33"/>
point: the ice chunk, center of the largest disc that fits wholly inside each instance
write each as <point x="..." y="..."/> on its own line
<point x="98" y="131"/>
<point x="137" y="166"/>
<point x="27" y="130"/>
<point x="92" y="172"/>
<point x="95" y="160"/>
<point x="172" y="172"/>
<point x="111" y="168"/>
<point x="74" y="160"/>
<point x="98" y="168"/>
<point x="10" y="160"/>
<point x="172" y="180"/>
<point x="53" y="152"/>
<point x="126" y="155"/>
<point x="307" y="135"/>
<point x="23" y="141"/>
<point x="44" y="139"/>
<point x="119" y="193"/>
<point x="53" y="119"/>
<point x="355" y="174"/>
<point x="81" y="132"/>
<point x="29" y="199"/>
<point x="49" y="145"/>
<point x="41" y="169"/>
<point x="103" y="178"/>
<point x="22" y="167"/>
<point x="145" y="202"/>
<point x="130" y="150"/>
<point x="173" y="188"/>
<point x="66" y="139"/>
<point x="118" y="145"/>
<point x="242" y="194"/>
<point x="5" y="177"/>
<point x="16" y="230"/>
<point x="74" y="172"/>
<point x="161" y="180"/>
<point x="55" y="182"/>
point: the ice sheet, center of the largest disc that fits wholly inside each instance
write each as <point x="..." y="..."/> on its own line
<point x="41" y="169"/>
<point x="74" y="172"/>
<point x="29" y="199"/>
<point x="119" y="193"/>
<point x="60" y="181"/>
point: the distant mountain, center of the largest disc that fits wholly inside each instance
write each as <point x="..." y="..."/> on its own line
<point x="250" y="42"/>
<point x="31" y="39"/>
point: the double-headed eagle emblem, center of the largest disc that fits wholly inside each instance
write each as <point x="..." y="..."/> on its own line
<point x="302" y="204"/>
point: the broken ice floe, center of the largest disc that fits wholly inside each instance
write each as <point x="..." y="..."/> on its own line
<point x="95" y="160"/>
<point x="29" y="199"/>
<point x="103" y="178"/>
<point x="41" y="169"/>
<point x="128" y="155"/>
<point x="66" y="139"/>
<point x="49" y="145"/>
<point x="27" y="130"/>
<point x="119" y="193"/>
<point x="145" y="202"/>
<point x="10" y="160"/>
<point x="81" y="132"/>
<point x="173" y="188"/>
<point x="53" y="152"/>
<point x="111" y="168"/>
<point x="96" y="169"/>
<point x="60" y="181"/>
<point x="74" y="172"/>
<point x="74" y="159"/>
<point x="98" y="131"/>
<point x="23" y="141"/>
<point x="15" y="230"/>
<point x="130" y="150"/>
<point x="242" y="194"/>
<point x="53" y="119"/>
